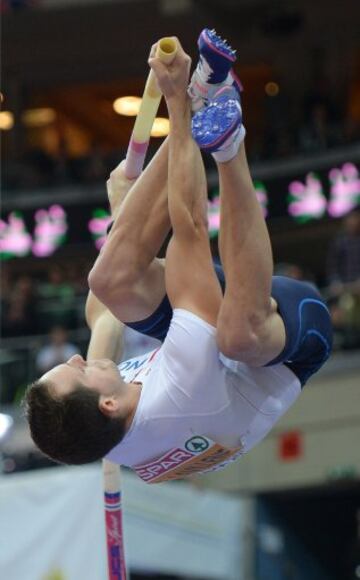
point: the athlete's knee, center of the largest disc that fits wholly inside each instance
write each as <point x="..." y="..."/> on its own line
<point x="107" y="280"/>
<point x="233" y="347"/>
<point x="241" y="341"/>
<point x="106" y="285"/>
<point x="108" y="276"/>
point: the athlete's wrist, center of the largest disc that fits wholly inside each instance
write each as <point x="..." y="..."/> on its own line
<point x="179" y="105"/>
<point x="179" y="114"/>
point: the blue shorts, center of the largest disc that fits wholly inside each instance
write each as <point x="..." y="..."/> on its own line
<point x="305" y="315"/>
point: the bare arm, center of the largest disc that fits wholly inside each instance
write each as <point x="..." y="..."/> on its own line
<point x="106" y="340"/>
<point x="106" y="331"/>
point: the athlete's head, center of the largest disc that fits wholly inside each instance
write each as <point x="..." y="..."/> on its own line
<point x="78" y="411"/>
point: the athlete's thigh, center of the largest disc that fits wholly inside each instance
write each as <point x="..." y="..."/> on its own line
<point x="157" y="324"/>
<point x="191" y="282"/>
<point x="140" y="300"/>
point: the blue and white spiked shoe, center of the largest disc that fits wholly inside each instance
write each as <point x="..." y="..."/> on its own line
<point x="213" y="71"/>
<point x="218" y="128"/>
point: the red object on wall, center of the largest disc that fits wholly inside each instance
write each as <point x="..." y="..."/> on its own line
<point x="290" y="446"/>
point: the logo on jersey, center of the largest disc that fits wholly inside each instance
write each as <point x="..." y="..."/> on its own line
<point x="197" y="444"/>
<point x="198" y="455"/>
<point x="132" y="368"/>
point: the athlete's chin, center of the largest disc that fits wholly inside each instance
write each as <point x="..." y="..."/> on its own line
<point x="116" y="369"/>
<point x="105" y="364"/>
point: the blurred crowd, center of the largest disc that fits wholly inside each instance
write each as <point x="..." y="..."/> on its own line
<point x="32" y="304"/>
<point x="43" y="324"/>
<point x="37" y="168"/>
<point x="291" y="126"/>
<point x="38" y="312"/>
<point x="342" y="290"/>
<point x="314" y="125"/>
<point x="35" y="303"/>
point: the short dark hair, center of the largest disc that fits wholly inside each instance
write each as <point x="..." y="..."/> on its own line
<point x="70" y="429"/>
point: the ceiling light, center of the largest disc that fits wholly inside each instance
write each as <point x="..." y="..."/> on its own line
<point x="6" y="120"/>
<point x="160" y="127"/>
<point x="38" y="117"/>
<point x="272" y="89"/>
<point x="128" y="106"/>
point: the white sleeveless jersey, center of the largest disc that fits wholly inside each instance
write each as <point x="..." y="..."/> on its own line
<point x="198" y="410"/>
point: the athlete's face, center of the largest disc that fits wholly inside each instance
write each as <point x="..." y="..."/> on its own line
<point x="101" y="375"/>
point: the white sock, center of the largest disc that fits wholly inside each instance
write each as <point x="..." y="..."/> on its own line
<point x="230" y="148"/>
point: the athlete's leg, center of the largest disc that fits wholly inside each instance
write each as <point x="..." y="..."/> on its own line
<point x="262" y="319"/>
<point x="249" y="327"/>
<point x="191" y="281"/>
<point x="126" y="276"/>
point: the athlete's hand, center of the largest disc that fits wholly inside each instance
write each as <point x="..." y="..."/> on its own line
<point x="117" y="187"/>
<point x="173" y="78"/>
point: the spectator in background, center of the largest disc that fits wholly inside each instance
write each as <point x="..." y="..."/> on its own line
<point x="95" y="167"/>
<point x="76" y="274"/>
<point x="321" y="124"/>
<point x="5" y="288"/>
<point x="58" y="300"/>
<point x="290" y="270"/>
<point x="19" y="309"/>
<point x="277" y="140"/>
<point x="343" y="269"/>
<point x="295" y="272"/>
<point x="314" y="136"/>
<point x="344" y="254"/>
<point x="57" y="352"/>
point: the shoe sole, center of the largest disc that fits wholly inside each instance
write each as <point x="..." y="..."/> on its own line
<point x="213" y="125"/>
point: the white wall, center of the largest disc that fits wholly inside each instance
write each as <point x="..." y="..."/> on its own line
<point x="51" y="522"/>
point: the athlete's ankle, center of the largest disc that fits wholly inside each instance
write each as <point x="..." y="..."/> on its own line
<point x="228" y="153"/>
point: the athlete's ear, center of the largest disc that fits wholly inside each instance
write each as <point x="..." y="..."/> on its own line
<point x="109" y="405"/>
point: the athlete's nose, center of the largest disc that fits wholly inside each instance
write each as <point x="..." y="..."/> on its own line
<point x="76" y="361"/>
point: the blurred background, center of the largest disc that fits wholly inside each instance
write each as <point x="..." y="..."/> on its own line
<point x="72" y="73"/>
